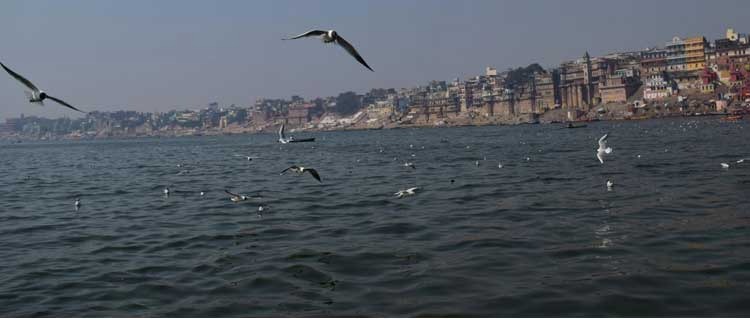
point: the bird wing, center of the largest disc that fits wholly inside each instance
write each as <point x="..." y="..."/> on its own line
<point x="288" y="168"/>
<point x="599" y="156"/>
<point x="411" y="190"/>
<point x="63" y="103"/>
<point x="314" y="173"/>
<point x="603" y="142"/>
<point x="349" y="48"/>
<point x="21" y="79"/>
<point x="230" y="193"/>
<point x="310" y="33"/>
<point x="281" y="132"/>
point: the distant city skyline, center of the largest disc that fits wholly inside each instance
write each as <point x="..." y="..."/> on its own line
<point x="157" y="56"/>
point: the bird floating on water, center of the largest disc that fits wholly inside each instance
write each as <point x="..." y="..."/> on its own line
<point x="410" y="164"/>
<point x="77" y="203"/>
<point x="610" y="184"/>
<point x="166" y="191"/>
<point x="301" y="170"/>
<point x="331" y="36"/>
<point x="36" y="95"/>
<point x="235" y="197"/>
<point x="724" y="165"/>
<point x="249" y="158"/>
<point x="406" y="192"/>
<point x="499" y="165"/>
<point x="603" y="149"/>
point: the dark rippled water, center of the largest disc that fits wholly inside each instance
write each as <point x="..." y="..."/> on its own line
<point x="538" y="237"/>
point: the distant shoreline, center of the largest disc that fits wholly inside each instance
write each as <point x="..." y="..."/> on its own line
<point x="251" y="130"/>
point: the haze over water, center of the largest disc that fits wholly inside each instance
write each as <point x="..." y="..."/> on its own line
<point x="538" y="237"/>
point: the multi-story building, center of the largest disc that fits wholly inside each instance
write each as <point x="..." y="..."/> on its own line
<point x="675" y="54"/>
<point x="299" y="112"/>
<point x="686" y="55"/>
<point x="580" y="79"/>
<point x="618" y="89"/>
<point x="695" y="53"/>
<point x="658" y="86"/>
<point x="546" y="90"/>
<point x="654" y="61"/>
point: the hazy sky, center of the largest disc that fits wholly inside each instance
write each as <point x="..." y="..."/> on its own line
<point x="161" y="55"/>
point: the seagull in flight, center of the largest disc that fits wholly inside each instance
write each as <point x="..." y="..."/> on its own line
<point x="406" y="192"/>
<point x="36" y="95"/>
<point x="235" y="197"/>
<point x="282" y="137"/>
<point x="301" y="170"/>
<point x="331" y="36"/>
<point x="603" y="149"/>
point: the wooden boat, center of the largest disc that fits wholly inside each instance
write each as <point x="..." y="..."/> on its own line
<point x="284" y="139"/>
<point x="302" y="140"/>
<point x="571" y="125"/>
<point x="732" y="118"/>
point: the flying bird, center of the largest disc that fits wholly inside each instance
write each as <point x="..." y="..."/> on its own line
<point x="724" y="165"/>
<point x="603" y="149"/>
<point x="406" y="192"/>
<point x="331" y="36"/>
<point x="301" y="170"/>
<point x="36" y="95"/>
<point x="282" y="137"/>
<point x="235" y="197"/>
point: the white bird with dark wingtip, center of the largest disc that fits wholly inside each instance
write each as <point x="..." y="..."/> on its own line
<point x="406" y="192"/>
<point x="77" y="203"/>
<point x="331" y="36"/>
<point x="282" y="138"/>
<point x="410" y="164"/>
<point x="603" y="149"/>
<point x="36" y="95"/>
<point x="235" y="197"/>
<point x="301" y="170"/>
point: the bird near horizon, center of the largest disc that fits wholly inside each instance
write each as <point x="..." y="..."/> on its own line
<point x="301" y="170"/>
<point x="36" y="95"/>
<point x="331" y="36"/>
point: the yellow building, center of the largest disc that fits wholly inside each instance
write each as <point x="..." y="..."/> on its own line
<point x="695" y="53"/>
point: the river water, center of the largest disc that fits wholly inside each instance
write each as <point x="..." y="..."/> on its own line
<point x="541" y="236"/>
